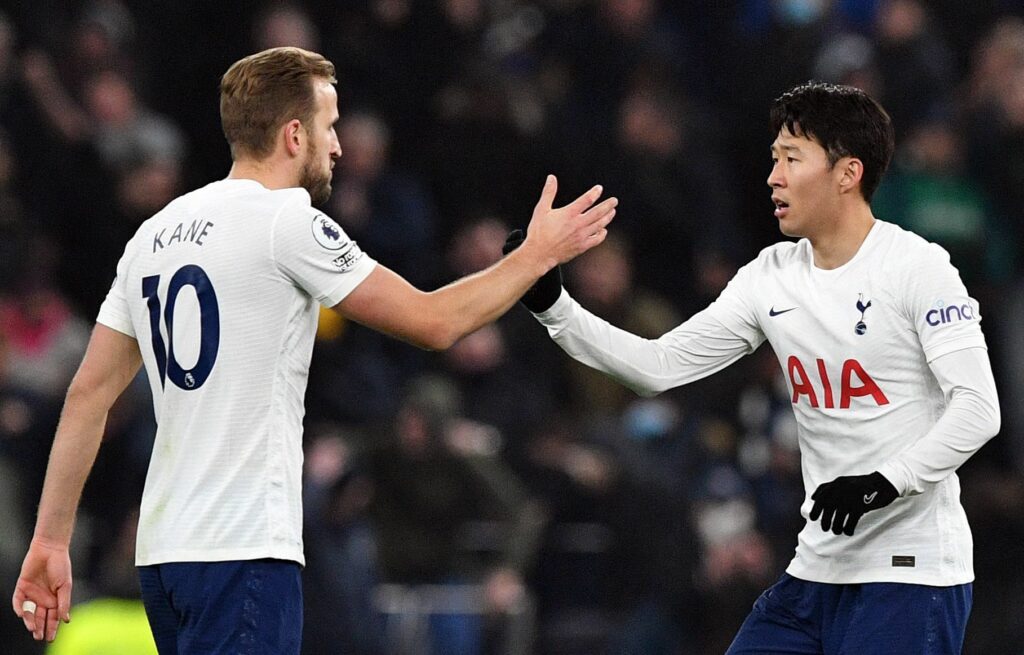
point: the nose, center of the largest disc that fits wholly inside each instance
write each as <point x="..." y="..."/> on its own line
<point x="776" y="178"/>
<point x="335" y="146"/>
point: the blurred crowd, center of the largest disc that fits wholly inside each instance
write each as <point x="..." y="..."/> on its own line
<point x="497" y="497"/>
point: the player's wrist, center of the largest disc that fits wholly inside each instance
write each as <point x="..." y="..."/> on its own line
<point x="537" y="260"/>
<point x="546" y="289"/>
<point x="896" y="475"/>
<point x="882" y="484"/>
<point x="50" y="543"/>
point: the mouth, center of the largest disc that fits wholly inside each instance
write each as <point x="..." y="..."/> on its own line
<point x="781" y="207"/>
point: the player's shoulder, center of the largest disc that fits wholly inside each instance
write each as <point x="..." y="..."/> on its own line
<point x="294" y="200"/>
<point x="290" y="204"/>
<point x="772" y="266"/>
<point x="781" y="256"/>
<point x="904" y="251"/>
<point x="298" y="217"/>
<point x="298" y="225"/>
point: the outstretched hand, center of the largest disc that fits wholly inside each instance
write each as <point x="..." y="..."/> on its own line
<point x="546" y="289"/>
<point x="842" y="502"/>
<point x="558" y="235"/>
<point x="42" y="595"/>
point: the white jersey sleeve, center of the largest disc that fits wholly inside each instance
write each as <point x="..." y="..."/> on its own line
<point x="706" y="343"/>
<point x="114" y="312"/>
<point x="971" y="419"/>
<point x="937" y="303"/>
<point x="315" y="253"/>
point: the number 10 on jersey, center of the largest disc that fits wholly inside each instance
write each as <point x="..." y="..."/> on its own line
<point x="209" y="336"/>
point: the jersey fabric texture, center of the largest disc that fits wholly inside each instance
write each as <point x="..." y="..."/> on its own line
<point x="221" y="290"/>
<point x="855" y="344"/>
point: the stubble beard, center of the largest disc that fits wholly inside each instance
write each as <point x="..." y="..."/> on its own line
<point x="313" y="179"/>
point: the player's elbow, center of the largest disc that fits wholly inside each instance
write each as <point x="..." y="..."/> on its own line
<point x="86" y="395"/>
<point x="993" y="421"/>
<point x="434" y="334"/>
<point x="78" y="392"/>
<point x="647" y="387"/>
<point x="438" y="342"/>
<point x="984" y="410"/>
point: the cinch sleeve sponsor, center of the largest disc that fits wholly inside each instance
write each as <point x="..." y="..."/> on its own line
<point x="947" y="319"/>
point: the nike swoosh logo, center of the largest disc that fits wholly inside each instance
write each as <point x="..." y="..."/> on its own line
<point x="870" y="498"/>
<point x="773" y="313"/>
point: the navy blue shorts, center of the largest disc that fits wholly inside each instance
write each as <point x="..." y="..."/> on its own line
<point x="797" y="617"/>
<point x="247" y="607"/>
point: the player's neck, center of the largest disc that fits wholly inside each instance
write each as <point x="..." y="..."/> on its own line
<point x="265" y="172"/>
<point x="839" y="243"/>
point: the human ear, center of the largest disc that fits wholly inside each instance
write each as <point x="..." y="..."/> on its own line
<point x="851" y="172"/>
<point x="292" y="133"/>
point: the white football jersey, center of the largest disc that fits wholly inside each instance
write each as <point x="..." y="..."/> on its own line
<point x="221" y="290"/>
<point x="855" y="344"/>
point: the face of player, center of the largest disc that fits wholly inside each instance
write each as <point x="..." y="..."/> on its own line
<point x="805" y="188"/>
<point x="323" y="147"/>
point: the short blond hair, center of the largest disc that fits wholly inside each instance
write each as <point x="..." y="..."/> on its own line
<point x="263" y="91"/>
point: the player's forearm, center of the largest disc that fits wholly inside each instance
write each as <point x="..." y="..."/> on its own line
<point x="111" y="361"/>
<point x="693" y="350"/>
<point x="971" y="418"/>
<point x="468" y="304"/>
<point x="71" y="457"/>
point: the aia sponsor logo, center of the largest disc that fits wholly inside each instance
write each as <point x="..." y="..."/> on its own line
<point x="854" y="382"/>
<point x="944" y="313"/>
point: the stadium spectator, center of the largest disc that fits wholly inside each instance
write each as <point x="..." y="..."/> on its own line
<point x="342" y="570"/>
<point x="437" y="474"/>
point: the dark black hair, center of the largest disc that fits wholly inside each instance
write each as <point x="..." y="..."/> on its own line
<point x="844" y="120"/>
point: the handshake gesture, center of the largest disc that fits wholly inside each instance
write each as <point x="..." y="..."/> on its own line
<point x="594" y="219"/>
<point x="548" y="288"/>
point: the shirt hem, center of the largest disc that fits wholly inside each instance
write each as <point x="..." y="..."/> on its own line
<point x="349" y="283"/>
<point x="224" y="555"/>
<point x="869" y="575"/>
<point x="116" y="324"/>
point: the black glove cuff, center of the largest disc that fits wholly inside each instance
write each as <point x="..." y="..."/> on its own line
<point x="883" y="485"/>
<point x="546" y="290"/>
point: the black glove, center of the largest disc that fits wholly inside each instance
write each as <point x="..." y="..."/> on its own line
<point x="545" y="291"/>
<point x="843" y="501"/>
